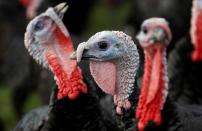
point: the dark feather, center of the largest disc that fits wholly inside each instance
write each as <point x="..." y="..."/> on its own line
<point x="184" y="74"/>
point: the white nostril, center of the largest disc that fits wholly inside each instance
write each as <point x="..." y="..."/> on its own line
<point x="200" y="4"/>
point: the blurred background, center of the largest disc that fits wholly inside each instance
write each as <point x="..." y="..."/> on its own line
<point x="24" y="85"/>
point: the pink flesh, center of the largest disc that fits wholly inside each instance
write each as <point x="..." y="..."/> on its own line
<point x="25" y="3"/>
<point x="31" y="7"/>
<point x="64" y="50"/>
<point x="68" y="76"/>
<point x="155" y="77"/>
<point x="151" y="97"/>
<point x="196" y="32"/>
<point x="104" y="74"/>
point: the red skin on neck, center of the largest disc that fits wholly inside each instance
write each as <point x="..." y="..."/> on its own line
<point x="196" y="31"/>
<point x="152" y="98"/>
<point x="31" y="7"/>
<point x="25" y="3"/>
<point x="68" y="75"/>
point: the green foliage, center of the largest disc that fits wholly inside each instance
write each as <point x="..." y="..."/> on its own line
<point x="105" y="18"/>
<point x="7" y="113"/>
<point x="33" y="102"/>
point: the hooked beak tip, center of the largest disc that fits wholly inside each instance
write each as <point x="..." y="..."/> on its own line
<point x="60" y="9"/>
<point x="73" y="56"/>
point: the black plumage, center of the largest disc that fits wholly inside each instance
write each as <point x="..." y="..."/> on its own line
<point x="184" y="74"/>
<point x="84" y="113"/>
<point x="177" y="117"/>
<point x="89" y="112"/>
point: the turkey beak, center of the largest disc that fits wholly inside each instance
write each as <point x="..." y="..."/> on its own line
<point x="78" y="56"/>
<point x="159" y="35"/>
<point x="82" y="53"/>
<point x="60" y="9"/>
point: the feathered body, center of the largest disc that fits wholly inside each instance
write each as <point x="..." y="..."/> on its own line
<point x="83" y="113"/>
<point x="184" y="74"/>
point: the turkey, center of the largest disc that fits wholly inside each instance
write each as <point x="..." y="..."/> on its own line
<point x="17" y="68"/>
<point x="184" y="63"/>
<point x="155" y="111"/>
<point x="74" y="105"/>
<point x="114" y="61"/>
<point x="154" y="105"/>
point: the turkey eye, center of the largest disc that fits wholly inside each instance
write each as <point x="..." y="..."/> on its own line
<point x="144" y="29"/>
<point x="39" y="26"/>
<point x="102" y="45"/>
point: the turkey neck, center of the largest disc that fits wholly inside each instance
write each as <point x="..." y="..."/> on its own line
<point x="117" y="77"/>
<point x="127" y="67"/>
<point x="61" y="47"/>
<point x="154" y="86"/>
<point x="67" y="74"/>
<point x="196" y="29"/>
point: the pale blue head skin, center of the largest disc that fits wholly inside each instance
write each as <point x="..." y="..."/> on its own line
<point x="200" y="4"/>
<point x="103" y="46"/>
<point x="39" y="33"/>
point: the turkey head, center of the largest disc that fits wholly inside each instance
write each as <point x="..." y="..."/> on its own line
<point x="49" y="43"/>
<point x="154" y="37"/>
<point x="114" y="61"/>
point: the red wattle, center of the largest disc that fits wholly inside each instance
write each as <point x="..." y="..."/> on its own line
<point x="145" y="85"/>
<point x="197" y="55"/>
<point x="196" y="32"/>
<point x="151" y="98"/>
<point x="25" y="3"/>
<point x="69" y="86"/>
<point x="68" y="75"/>
<point x="64" y="41"/>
